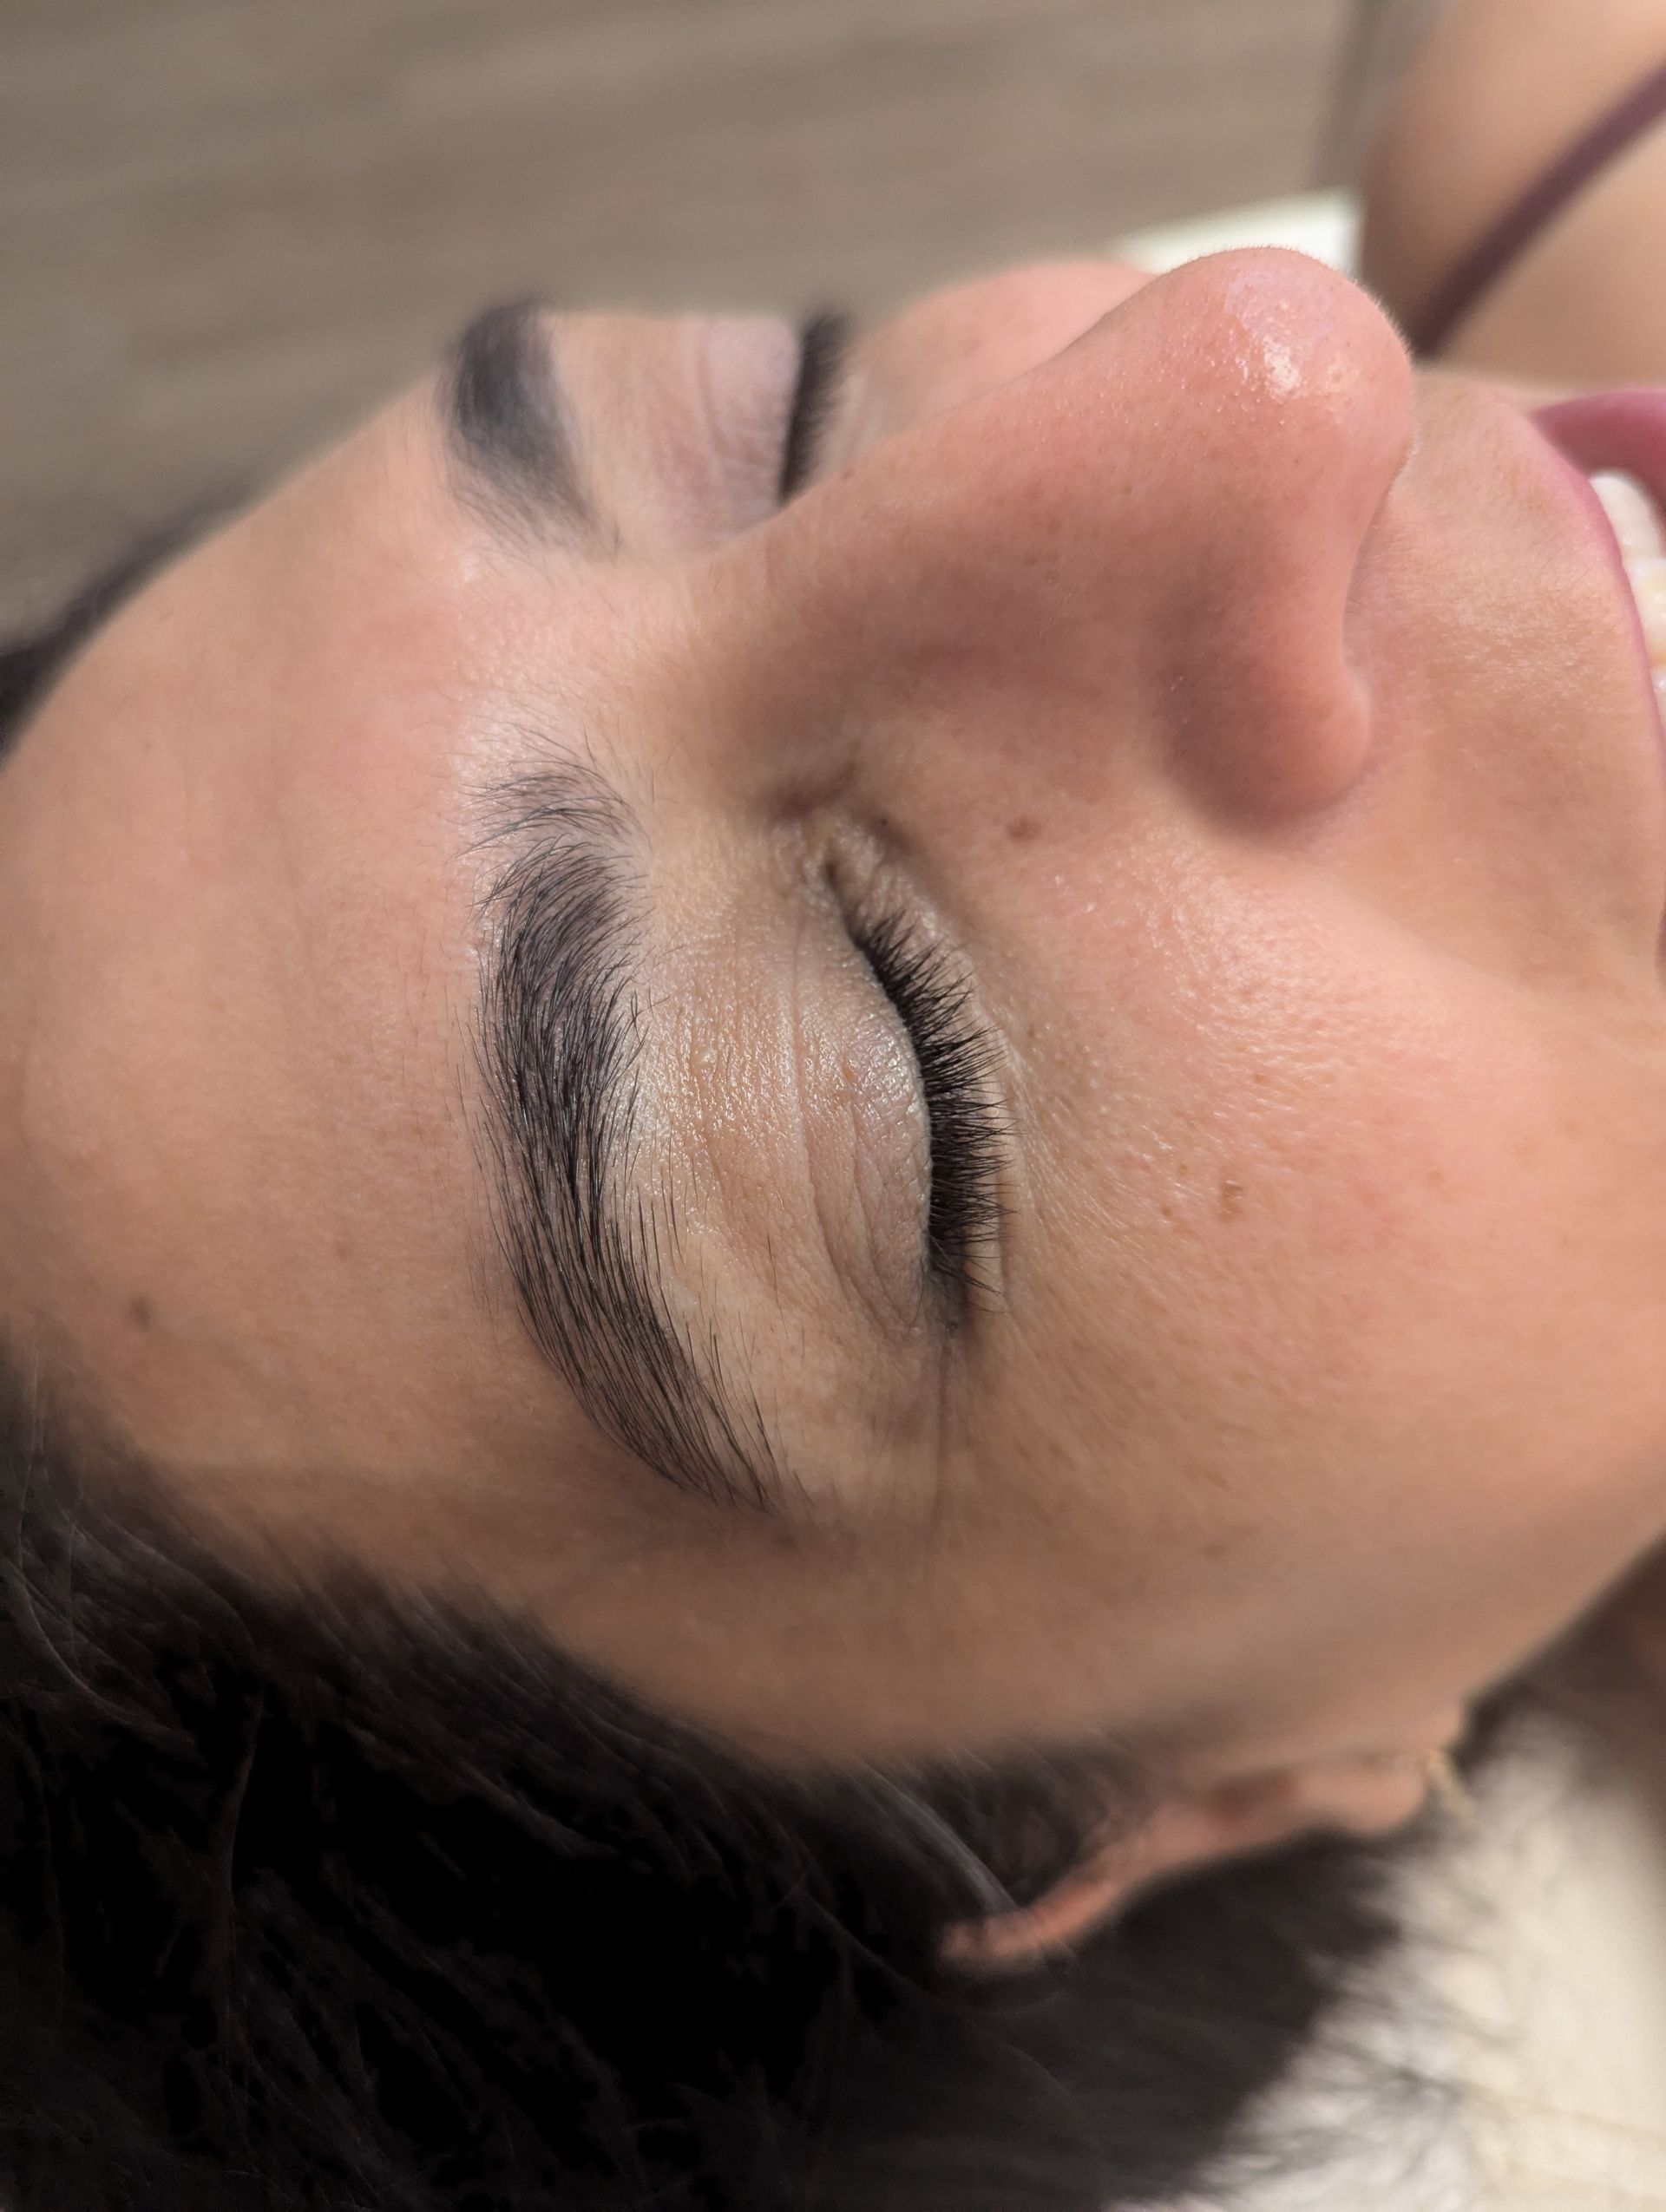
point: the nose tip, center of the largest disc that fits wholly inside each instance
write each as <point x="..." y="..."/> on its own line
<point x="1287" y="328"/>
<point x="1264" y="359"/>
<point x="1164" y="519"/>
<point x="1285" y="399"/>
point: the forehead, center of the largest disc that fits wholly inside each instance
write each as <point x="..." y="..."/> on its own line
<point x="267" y="771"/>
<point x="238" y="897"/>
<point x="595" y="434"/>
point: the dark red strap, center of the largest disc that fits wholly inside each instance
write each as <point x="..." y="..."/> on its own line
<point x="1520" y="223"/>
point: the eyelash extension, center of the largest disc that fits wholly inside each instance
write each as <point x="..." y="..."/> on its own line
<point x="823" y="344"/>
<point x="956" y="1056"/>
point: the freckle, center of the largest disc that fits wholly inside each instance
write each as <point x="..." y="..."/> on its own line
<point x="1231" y="1198"/>
<point x="1024" y="830"/>
<point x="142" y="1313"/>
<point x="1166" y="1209"/>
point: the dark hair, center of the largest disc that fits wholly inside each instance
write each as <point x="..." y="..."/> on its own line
<point x="349" y="1900"/>
<point x="346" y="1900"/>
<point x="29" y="666"/>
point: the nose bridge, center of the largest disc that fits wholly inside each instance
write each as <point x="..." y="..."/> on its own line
<point x="1185" y="489"/>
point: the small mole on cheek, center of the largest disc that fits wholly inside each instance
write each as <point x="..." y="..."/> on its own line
<point x="142" y="1313"/>
<point x="1231" y="1198"/>
<point x="1024" y="829"/>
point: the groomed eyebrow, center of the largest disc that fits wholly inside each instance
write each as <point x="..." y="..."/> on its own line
<point x="507" y="426"/>
<point x="588" y="1244"/>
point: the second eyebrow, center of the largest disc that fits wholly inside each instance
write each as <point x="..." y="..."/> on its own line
<point x="507" y="426"/>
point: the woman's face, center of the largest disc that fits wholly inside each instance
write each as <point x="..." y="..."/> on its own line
<point x="1022" y="1099"/>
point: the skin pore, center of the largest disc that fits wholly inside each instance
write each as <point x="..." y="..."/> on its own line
<point x="1256" y="731"/>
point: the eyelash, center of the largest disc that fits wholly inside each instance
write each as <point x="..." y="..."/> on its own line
<point x="952" y="1050"/>
<point x="824" y="343"/>
<point x="954" y="1054"/>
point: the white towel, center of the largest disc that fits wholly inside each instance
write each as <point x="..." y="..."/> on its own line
<point x="1532" y="2009"/>
<point x="1323" y="223"/>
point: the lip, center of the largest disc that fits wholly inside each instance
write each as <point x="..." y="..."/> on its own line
<point x="1621" y="429"/>
<point x="1624" y="430"/>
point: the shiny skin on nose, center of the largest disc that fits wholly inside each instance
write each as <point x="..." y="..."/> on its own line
<point x="1161" y="522"/>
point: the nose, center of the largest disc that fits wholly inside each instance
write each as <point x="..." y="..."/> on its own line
<point x="1162" y="521"/>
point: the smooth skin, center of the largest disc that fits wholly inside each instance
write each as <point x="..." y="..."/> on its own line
<point x="1261" y="724"/>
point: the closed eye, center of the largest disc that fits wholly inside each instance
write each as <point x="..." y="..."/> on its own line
<point x="955" y="1054"/>
<point x="824" y="344"/>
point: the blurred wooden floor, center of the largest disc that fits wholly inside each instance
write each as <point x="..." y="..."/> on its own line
<point x="227" y="226"/>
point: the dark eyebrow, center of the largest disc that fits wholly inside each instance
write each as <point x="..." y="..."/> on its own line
<point x="586" y="1245"/>
<point x="507" y="426"/>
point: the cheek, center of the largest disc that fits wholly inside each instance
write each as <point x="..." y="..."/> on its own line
<point x="1300" y="1437"/>
<point x="1334" y="1251"/>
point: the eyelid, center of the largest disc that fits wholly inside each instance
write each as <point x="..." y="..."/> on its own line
<point x="954" y="1052"/>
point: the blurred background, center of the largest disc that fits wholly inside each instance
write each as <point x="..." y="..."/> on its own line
<point x="227" y="227"/>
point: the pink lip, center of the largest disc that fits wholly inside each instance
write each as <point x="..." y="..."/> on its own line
<point x="1624" y="430"/>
